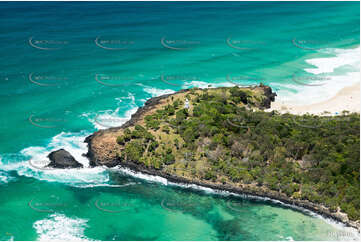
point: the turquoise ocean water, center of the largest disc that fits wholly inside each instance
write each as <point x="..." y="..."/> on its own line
<point x="69" y="69"/>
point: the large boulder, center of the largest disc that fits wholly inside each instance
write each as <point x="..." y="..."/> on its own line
<point x="269" y="96"/>
<point x="62" y="159"/>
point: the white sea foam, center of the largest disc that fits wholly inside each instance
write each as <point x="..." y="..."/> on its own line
<point x="155" y="92"/>
<point x="73" y="143"/>
<point x="108" y="119"/>
<point x="343" y="57"/>
<point x="32" y="161"/>
<point x="130" y="97"/>
<point x="141" y="175"/>
<point x="202" y="84"/>
<point x="59" y="227"/>
<point x="333" y="82"/>
<point x="112" y="118"/>
<point x="115" y="119"/>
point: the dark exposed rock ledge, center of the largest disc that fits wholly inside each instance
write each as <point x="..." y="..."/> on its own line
<point x="243" y="189"/>
<point x="270" y="96"/>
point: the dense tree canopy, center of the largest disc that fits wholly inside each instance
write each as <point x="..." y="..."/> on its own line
<point x="225" y="137"/>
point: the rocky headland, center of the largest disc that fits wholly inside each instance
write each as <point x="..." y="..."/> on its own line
<point x="164" y="138"/>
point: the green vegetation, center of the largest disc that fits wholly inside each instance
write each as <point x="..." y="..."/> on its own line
<point x="224" y="137"/>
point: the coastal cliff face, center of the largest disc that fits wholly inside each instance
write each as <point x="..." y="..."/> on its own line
<point x="193" y="136"/>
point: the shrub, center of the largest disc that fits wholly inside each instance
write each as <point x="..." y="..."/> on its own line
<point x="152" y="124"/>
<point x="181" y="115"/>
<point x="210" y="175"/>
<point x="239" y="95"/>
<point x="166" y="129"/>
<point x="121" y="140"/>
<point x="169" y="157"/>
<point x="127" y="131"/>
<point x="134" y="150"/>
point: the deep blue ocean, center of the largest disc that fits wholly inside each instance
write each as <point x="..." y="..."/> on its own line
<point x="68" y="69"/>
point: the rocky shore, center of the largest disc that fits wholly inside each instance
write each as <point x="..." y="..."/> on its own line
<point x="247" y="189"/>
<point x="259" y="191"/>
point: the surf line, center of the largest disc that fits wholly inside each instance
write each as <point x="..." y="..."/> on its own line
<point x="225" y="193"/>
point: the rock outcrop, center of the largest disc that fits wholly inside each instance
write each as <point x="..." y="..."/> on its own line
<point x="269" y="97"/>
<point x="62" y="159"/>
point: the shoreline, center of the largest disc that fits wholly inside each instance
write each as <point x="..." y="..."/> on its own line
<point x="348" y="98"/>
<point x="169" y="180"/>
<point x="244" y="189"/>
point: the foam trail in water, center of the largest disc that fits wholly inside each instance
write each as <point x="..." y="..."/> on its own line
<point x="203" y="85"/>
<point x="339" y="71"/>
<point x="350" y="57"/>
<point x="155" y="92"/>
<point x="111" y="118"/>
<point x="59" y="227"/>
<point x="141" y="175"/>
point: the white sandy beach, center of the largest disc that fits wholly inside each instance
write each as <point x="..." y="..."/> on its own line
<point x="346" y="99"/>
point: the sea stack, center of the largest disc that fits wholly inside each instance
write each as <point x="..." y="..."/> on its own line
<point x="63" y="159"/>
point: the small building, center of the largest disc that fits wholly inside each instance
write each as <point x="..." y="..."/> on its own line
<point x="186" y="104"/>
